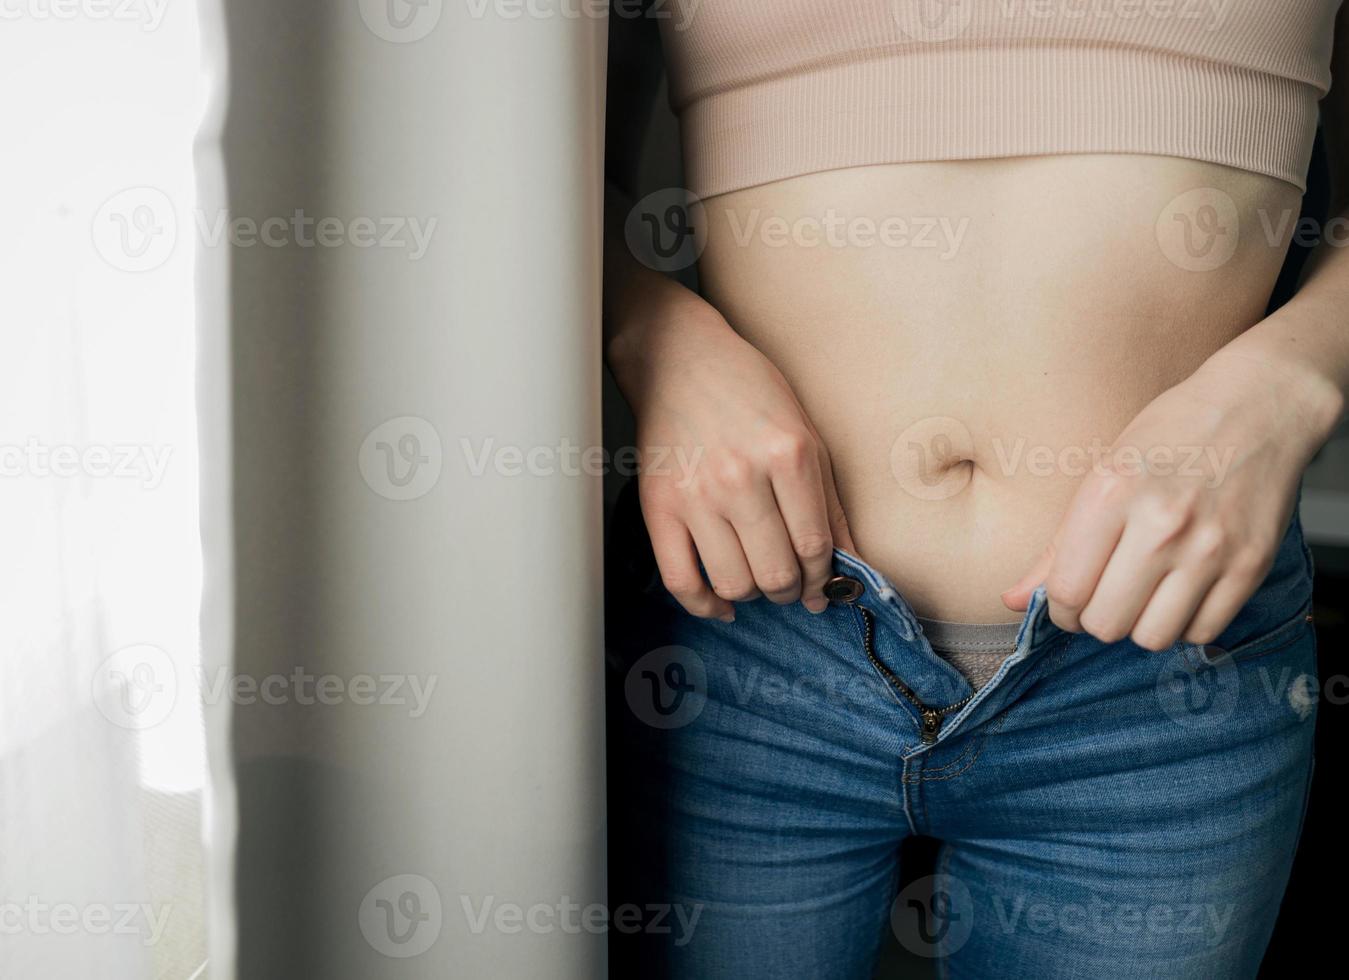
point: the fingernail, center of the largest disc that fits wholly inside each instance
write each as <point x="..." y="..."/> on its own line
<point x="727" y="617"/>
<point x="817" y="605"/>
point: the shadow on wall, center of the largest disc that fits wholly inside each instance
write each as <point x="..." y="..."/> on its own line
<point x="279" y="307"/>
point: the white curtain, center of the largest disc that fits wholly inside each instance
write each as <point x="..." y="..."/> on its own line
<point x="389" y="353"/>
<point x="102" y="762"/>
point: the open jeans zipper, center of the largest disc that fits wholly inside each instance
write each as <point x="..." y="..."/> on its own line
<point x="931" y="717"/>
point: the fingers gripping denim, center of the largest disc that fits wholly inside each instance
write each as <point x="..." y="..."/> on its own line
<point x="1106" y="812"/>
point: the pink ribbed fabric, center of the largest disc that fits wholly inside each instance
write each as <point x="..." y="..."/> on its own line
<point x="770" y="89"/>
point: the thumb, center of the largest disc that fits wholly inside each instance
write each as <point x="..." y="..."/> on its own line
<point x="1017" y="598"/>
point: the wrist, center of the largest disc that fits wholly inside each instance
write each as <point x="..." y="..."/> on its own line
<point x="623" y="346"/>
<point x="1304" y="400"/>
<point x="664" y="333"/>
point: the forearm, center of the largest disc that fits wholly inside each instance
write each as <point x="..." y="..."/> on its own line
<point x="630" y="288"/>
<point x="1300" y="353"/>
<point x="642" y="307"/>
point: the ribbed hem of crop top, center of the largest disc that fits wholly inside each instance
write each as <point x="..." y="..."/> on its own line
<point x="987" y="102"/>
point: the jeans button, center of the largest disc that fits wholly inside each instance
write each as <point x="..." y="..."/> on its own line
<point x="842" y="588"/>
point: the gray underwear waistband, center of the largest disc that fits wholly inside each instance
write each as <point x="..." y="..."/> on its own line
<point x="974" y="649"/>
<point x="970" y="637"/>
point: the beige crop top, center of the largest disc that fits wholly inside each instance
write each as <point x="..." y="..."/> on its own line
<point x="770" y="89"/>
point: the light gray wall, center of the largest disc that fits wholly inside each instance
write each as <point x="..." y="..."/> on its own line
<point x="487" y="586"/>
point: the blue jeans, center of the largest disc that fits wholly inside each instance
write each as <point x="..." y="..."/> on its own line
<point x="1105" y="812"/>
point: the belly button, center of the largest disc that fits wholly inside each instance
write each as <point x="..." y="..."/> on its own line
<point x="933" y="459"/>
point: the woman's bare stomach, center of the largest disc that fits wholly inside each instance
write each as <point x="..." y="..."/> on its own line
<point x="969" y="338"/>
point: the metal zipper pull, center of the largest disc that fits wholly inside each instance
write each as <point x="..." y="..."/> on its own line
<point x="931" y="725"/>
<point x="931" y="717"/>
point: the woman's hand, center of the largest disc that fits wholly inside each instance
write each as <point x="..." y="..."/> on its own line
<point x="1174" y="535"/>
<point x="732" y="471"/>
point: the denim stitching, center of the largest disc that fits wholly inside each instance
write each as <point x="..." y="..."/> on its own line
<point x="1050" y="662"/>
<point x="1249" y="657"/>
<point x="969" y="747"/>
<point x="883" y="590"/>
<point x="992" y="730"/>
<point x="919" y="778"/>
<point x="1261" y="645"/>
<point x="904" y="791"/>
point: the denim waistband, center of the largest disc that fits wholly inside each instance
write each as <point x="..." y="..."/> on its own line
<point x="910" y="654"/>
<point x="1286" y="587"/>
<point x="901" y="615"/>
<point x="911" y="626"/>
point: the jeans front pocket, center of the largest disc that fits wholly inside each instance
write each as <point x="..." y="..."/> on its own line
<point x="1280" y="609"/>
<point x="1288" y="631"/>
